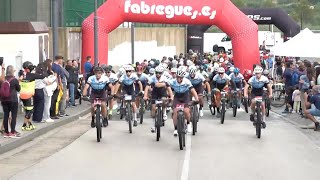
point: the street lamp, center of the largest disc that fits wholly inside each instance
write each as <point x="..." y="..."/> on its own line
<point x="95" y="33"/>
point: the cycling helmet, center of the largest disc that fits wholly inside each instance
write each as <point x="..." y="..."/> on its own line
<point x="215" y="69"/>
<point x="128" y="68"/>
<point x="257" y="69"/>
<point x="164" y="65"/>
<point x="28" y="65"/>
<point x="192" y="70"/>
<point x="189" y="63"/>
<point x="109" y="67"/>
<point x="184" y="68"/>
<point x="121" y="71"/>
<point x="265" y="72"/>
<point x="139" y="68"/>
<point x="159" y="69"/>
<point x="181" y="73"/>
<point x="152" y="71"/>
<point x="98" y="69"/>
<point x="104" y="67"/>
<point x="247" y="74"/>
<point x="231" y="69"/>
<point x="221" y="60"/>
<point x="236" y="70"/>
<point x="174" y="70"/>
<point x="221" y="70"/>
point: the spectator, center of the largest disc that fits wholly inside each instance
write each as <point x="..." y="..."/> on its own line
<point x="10" y="104"/>
<point x="56" y="68"/>
<point x="48" y="91"/>
<point x="287" y="79"/>
<point x="87" y="68"/>
<point x="305" y="85"/>
<point x="38" y="98"/>
<point x="296" y="99"/>
<point x="314" y="103"/>
<point x="65" y="92"/>
<point x="72" y="81"/>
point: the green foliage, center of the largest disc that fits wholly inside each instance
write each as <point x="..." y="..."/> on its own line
<point x="307" y="11"/>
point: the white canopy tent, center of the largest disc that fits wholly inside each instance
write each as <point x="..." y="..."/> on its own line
<point x="304" y="44"/>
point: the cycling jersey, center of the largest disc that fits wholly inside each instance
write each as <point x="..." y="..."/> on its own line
<point x="167" y="75"/>
<point x="197" y="80"/>
<point x="183" y="87"/>
<point x="237" y="79"/>
<point x="113" y="78"/>
<point x="204" y="74"/>
<point x="257" y="85"/>
<point x="98" y="86"/>
<point x="128" y="83"/>
<point x="220" y="82"/>
<point x="158" y="92"/>
<point x="181" y="91"/>
<point x="143" y="78"/>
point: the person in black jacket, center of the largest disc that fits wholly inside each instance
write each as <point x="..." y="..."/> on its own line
<point x="10" y="104"/>
<point x="72" y="81"/>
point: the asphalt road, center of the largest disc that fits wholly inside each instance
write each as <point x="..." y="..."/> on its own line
<point x="219" y="151"/>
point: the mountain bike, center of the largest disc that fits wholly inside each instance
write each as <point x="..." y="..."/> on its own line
<point x="194" y="116"/>
<point x="258" y="116"/>
<point x="126" y="109"/>
<point x="181" y="126"/>
<point x="234" y="97"/>
<point x="223" y="106"/>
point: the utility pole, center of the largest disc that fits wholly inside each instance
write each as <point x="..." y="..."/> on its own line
<point x="132" y="43"/>
<point x="55" y="24"/>
<point x="95" y="33"/>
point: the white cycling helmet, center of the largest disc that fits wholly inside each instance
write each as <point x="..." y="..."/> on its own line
<point x="128" y="68"/>
<point x="174" y="70"/>
<point x="184" y="68"/>
<point x="164" y="65"/>
<point x="215" y="69"/>
<point x="257" y="69"/>
<point x="231" y="69"/>
<point x="189" y="63"/>
<point x="159" y="69"/>
<point x="221" y="60"/>
<point x="181" y="73"/>
<point x="122" y="71"/>
<point x="192" y="70"/>
<point x="221" y="70"/>
<point x="152" y="71"/>
<point x="265" y="72"/>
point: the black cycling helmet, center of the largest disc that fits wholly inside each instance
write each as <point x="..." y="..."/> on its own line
<point x="98" y="69"/>
<point x="104" y="67"/>
<point x="28" y="65"/>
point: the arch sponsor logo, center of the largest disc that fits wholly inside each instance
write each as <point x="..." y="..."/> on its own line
<point x="170" y="11"/>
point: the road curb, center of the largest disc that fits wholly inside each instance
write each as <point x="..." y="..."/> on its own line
<point x="8" y="146"/>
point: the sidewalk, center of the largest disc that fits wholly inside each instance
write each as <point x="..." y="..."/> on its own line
<point x="7" y="144"/>
<point x="304" y="125"/>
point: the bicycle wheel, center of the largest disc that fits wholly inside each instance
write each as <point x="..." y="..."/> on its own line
<point x="180" y="129"/>
<point x="129" y="116"/>
<point x="235" y="107"/>
<point x="212" y="109"/>
<point x="141" y="111"/>
<point x="194" y="117"/>
<point x="223" y="110"/>
<point x="98" y="124"/>
<point x="158" y="122"/>
<point x="267" y="105"/>
<point x="258" y="122"/>
<point x="278" y="98"/>
<point x="245" y="104"/>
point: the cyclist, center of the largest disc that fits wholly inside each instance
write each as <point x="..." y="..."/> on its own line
<point x="98" y="83"/>
<point x="182" y="88"/>
<point x="160" y="86"/>
<point x="257" y="83"/>
<point x="174" y="73"/>
<point x="220" y="82"/>
<point x="151" y="72"/>
<point x="237" y="82"/>
<point x="128" y="81"/>
<point x="113" y="80"/>
<point x="143" y="78"/>
<point x="197" y="80"/>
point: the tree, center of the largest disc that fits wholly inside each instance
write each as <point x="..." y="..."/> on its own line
<point x="239" y="3"/>
<point x="269" y="3"/>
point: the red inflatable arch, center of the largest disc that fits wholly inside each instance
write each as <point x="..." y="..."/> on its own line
<point x="222" y="13"/>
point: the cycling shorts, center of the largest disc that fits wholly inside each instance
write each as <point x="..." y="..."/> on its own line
<point x="158" y="93"/>
<point x="181" y="98"/>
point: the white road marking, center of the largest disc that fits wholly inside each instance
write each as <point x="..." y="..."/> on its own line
<point x="186" y="162"/>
